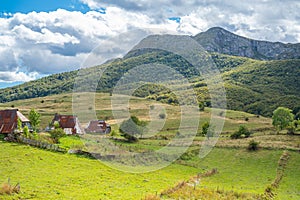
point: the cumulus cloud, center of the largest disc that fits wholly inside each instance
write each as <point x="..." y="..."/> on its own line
<point x="61" y="40"/>
<point x="58" y="41"/>
<point x="256" y="19"/>
<point x="17" y="76"/>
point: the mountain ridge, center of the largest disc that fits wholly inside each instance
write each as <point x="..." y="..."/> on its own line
<point x="252" y="85"/>
<point x="219" y="40"/>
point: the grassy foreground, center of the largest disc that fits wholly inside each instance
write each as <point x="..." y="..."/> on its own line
<point x="241" y="174"/>
<point x="47" y="175"/>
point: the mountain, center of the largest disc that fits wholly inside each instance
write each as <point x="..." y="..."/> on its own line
<point x="251" y="85"/>
<point x="222" y="41"/>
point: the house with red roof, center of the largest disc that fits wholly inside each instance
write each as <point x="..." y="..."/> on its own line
<point x="9" y="121"/>
<point x="69" y="123"/>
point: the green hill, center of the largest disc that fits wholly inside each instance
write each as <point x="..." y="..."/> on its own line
<point x="254" y="86"/>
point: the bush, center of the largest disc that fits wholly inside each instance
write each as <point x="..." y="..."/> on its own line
<point x="253" y="145"/>
<point x="201" y="106"/>
<point x="235" y="135"/>
<point x="162" y="115"/>
<point x="243" y="131"/>
<point x="26" y="132"/>
<point x="56" y="134"/>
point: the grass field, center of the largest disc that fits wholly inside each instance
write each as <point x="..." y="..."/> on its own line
<point x="241" y="174"/>
<point x="48" y="106"/>
<point x="47" y="175"/>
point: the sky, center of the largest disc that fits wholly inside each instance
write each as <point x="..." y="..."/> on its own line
<point x="39" y="38"/>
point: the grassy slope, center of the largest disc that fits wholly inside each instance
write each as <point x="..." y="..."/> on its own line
<point x="47" y="175"/>
<point x="56" y="176"/>
<point x="252" y="86"/>
<point x="140" y="107"/>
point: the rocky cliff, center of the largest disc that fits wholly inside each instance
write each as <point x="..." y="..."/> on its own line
<point x="222" y="41"/>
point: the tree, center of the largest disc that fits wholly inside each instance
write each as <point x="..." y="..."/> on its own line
<point x="132" y="128"/>
<point x="282" y="118"/>
<point x="56" y="134"/>
<point x="34" y="118"/>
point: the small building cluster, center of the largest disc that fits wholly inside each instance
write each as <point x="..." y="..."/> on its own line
<point x="69" y="123"/>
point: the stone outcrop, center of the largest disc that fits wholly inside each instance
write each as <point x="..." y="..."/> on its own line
<point x="222" y="41"/>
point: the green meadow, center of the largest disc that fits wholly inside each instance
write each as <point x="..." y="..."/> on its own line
<point x="241" y="174"/>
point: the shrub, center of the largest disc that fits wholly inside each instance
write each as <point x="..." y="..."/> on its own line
<point x="243" y="131"/>
<point x="152" y="107"/>
<point x="246" y="119"/>
<point x="235" y="135"/>
<point x="26" y="131"/>
<point x="253" y="145"/>
<point x="201" y="106"/>
<point x="56" y="134"/>
<point x="130" y="138"/>
<point x="162" y="115"/>
<point x="205" y="127"/>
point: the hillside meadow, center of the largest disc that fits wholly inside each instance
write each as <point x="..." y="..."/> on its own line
<point x="241" y="174"/>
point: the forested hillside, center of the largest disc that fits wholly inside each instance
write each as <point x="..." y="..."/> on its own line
<point x="251" y="85"/>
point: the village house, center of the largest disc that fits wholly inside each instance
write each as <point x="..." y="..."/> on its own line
<point x="98" y="126"/>
<point x="9" y="121"/>
<point x="69" y="123"/>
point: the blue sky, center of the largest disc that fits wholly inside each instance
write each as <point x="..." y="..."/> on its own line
<point x="39" y="38"/>
<point x="26" y="6"/>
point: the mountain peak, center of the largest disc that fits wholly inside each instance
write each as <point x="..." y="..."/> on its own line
<point x="219" y="40"/>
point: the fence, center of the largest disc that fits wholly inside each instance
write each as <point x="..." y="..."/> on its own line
<point x="42" y="145"/>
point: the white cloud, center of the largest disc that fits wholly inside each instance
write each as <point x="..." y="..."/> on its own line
<point x="257" y="19"/>
<point x="61" y="40"/>
<point x="17" y="76"/>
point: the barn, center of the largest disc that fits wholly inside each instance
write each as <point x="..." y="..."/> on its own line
<point x="9" y="120"/>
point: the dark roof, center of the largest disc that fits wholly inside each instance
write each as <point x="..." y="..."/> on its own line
<point x="8" y="120"/>
<point x="65" y="121"/>
<point x="96" y="126"/>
